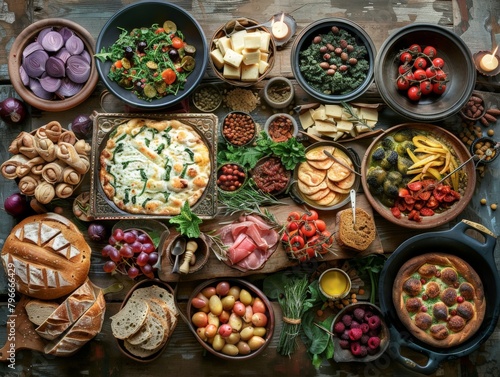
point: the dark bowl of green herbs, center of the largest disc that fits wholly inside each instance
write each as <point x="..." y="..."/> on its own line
<point x="332" y="59"/>
<point x="151" y="54"/>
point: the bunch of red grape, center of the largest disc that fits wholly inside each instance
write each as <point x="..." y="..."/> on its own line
<point x="131" y="252"/>
<point x="420" y="72"/>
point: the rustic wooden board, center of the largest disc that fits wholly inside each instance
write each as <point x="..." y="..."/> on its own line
<point x="279" y="260"/>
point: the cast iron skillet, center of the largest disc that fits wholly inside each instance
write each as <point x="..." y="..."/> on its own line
<point x="479" y="254"/>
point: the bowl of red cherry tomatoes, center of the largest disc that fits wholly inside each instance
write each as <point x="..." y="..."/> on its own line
<point x="425" y="72"/>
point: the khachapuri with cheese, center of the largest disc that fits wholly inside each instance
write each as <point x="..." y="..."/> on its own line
<point x="153" y="166"/>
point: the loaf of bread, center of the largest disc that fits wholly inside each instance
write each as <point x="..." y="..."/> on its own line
<point x="357" y="236"/>
<point x="39" y="310"/>
<point x="49" y="254"/>
<point x="83" y="330"/>
<point x="66" y="314"/>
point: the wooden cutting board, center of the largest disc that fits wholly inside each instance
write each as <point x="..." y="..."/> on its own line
<point x="279" y="260"/>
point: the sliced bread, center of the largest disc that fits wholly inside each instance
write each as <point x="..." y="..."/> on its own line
<point x="129" y="319"/>
<point x="161" y="309"/>
<point x="158" y="334"/>
<point x="357" y="236"/>
<point x="141" y="335"/>
<point x="39" y="310"/>
<point x="137" y="350"/>
<point x="155" y="291"/>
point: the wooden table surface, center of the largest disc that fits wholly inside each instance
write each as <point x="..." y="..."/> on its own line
<point x="477" y="23"/>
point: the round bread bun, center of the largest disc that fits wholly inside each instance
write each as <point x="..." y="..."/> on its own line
<point x="358" y="236"/>
<point x="49" y="256"/>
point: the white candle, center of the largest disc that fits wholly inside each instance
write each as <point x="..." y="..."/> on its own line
<point x="279" y="28"/>
<point x="489" y="62"/>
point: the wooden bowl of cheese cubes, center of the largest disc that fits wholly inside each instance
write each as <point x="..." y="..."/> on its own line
<point x="242" y="54"/>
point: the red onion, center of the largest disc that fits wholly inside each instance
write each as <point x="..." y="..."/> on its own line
<point x="97" y="232"/>
<point x="12" y="110"/>
<point x="68" y="88"/>
<point x="81" y="125"/>
<point x="74" y="45"/>
<point x="66" y="33"/>
<point x="77" y="69"/>
<point x="32" y="47"/>
<point x="24" y="76"/>
<point x="50" y="84"/>
<point x="52" y="41"/>
<point x="16" y="205"/>
<point x="34" y="63"/>
<point x="38" y="91"/>
<point x="54" y="67"/>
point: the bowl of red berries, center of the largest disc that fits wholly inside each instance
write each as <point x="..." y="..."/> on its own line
<point x="425" y="72"/>
<point x="360" y="333"/>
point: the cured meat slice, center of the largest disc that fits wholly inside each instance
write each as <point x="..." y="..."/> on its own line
<point x="242" y="247"/>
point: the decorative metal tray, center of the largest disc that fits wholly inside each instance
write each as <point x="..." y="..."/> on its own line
<point x="101" y="208"/>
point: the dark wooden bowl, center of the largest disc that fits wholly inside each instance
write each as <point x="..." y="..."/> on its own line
<point x="202" y="252"/>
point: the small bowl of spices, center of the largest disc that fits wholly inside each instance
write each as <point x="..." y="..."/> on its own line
<point x="279" y="92"/>
<point x="231" y="177"/>
<point x="474" y="108"/>
<point x="238" y="128"/>
<point x="486" y="149"/>
<point x="270" y="175"/>
<point x="281" y="127"/>
<point x="207" y="98"/>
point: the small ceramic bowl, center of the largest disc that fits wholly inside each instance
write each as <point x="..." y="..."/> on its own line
<point x="262" y="179"/>
<point x="207" y="97"/>
<point x="55" y="102"/>
<point x="281" y="126"/>
<point x="478" y="56"/>
<point x="263" y="325"/>
<point x="238" y="128"/>
<point x="334" y="283"/>
<point x="200" y="256"/>
<point x="365" y="349"/>
<point x="484" y="148"/>
<point x="238" y="180"/>
<point x="279" y="92"/>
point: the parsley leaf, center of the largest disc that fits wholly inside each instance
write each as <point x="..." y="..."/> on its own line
<point x="187" y="223"/>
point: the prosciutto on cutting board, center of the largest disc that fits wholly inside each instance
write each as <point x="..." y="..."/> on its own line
<point x="251" y="242"/>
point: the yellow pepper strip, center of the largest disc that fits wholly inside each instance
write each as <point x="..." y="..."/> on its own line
<point x="412" y="155"/>
<point x="430" y="150"/>
<point x="454" y="176"/>
<point x="418" y="177"/>
<point x="431" y="164"/>
<point x="434" y="173"/>
<point x="422" y="141"/>
<point x="446" y="164"/>
<point x="424" y="161"/>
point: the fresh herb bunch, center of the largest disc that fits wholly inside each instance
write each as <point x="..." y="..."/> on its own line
<point x="291" y="290"/>
<point x="290" y="152"/>
<point x="150" y="61"/>
<point x="370" y="267"/>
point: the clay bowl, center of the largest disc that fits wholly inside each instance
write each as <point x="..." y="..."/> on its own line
<point x="121" y="346"/>
<point x="255" y="292"/>
<point x="201" y="254"/>
<point x="459" y="68"/>
<point x="55" y="102"/>
<point x="256" y="171"/>
<point x="383" y="205"/>
<point x="342" y="354"/>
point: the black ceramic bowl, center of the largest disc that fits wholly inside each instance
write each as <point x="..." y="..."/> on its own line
<point x="323" y="26"/>
<point x="459" y="67"/>
<point x="145" y="14"/>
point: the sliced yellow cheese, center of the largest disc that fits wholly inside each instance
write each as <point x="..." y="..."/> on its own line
<point x="249" y="72"/>
<point x="238" y="40"/>
<point x="333" y="111"/>
<point x="319" y="113"/>
<point x="325" y="126"/>
<point x="252" y="40"/>
<point x="250" y="56"/>
<point x="223" y="44"/>
<point x="371" y="123"/>
<point x="232" y="58"/>
<point x="263" y="66"/>
<point x="265" y="40"/>
<point x="368" y="114"/>
<point x="344" y="126"/>
<point x="306" y="120"/>
<point x="232" y="73"/>
<point x="217" y="58"/>
<point x="264" y="56"/>
<point x="312" y="131"/>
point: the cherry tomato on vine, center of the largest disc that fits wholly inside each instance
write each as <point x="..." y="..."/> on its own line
<point x="405" y="57"/>
<point x="403" y="83"/>
<point x="440" y="75"/>
<point x="285" y="237"/>
<point x="414" y="93"/>
<point x="310" y="252"/>
<point x="430" y="72"/>
<point x="293" y="216"/>
<point x="320" y="225"/>
<point x="409" y="76"/>
<point x="438" y="62"/>
<point x="308" y="229"/>
<point x="430" y="51"/>
<point x="415" y="48"/>
<point x="439" y="87"/>
<point x="293" y="225"/>
<point x="419" y="74"/>
<point x="310" y="215"/>
<point x="403" y="68"/>
<point x="426" y="87"/>
<point x="297" y="242"/>
<point x="420" y="62"/>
